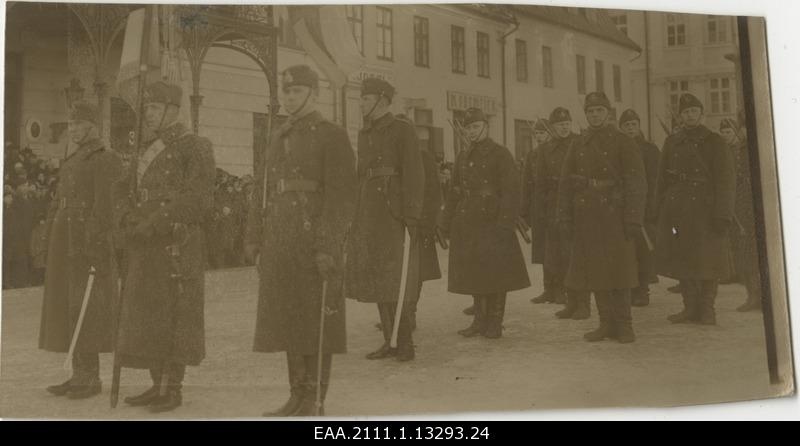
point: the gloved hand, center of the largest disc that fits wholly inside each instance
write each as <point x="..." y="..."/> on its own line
<point x="251" y="252"/>
<point x="632" y="231"/>
<point x="720" y="225"/>
<point x="325" y="265"/>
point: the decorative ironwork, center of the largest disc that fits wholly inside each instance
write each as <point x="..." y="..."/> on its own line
<point x="244" y="28"/>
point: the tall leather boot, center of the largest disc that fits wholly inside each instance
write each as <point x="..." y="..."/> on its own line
<point x="640" y="296"/>
<point x="386" y="310"/>
<point x="604" y="313"/>
<point x="708" y="295"/>
<point x="543" y="298"/>
<point x="583" y="305"/>
<point x="753" y="302"/>
<point x="85" y="382"/>
<point x="569" y="309"/>
<point x="495" y="311"/>
<point x="174" y="398"/>
<point x="478" y="319"/>
<point x="405" y="341"/>
<point x="689" y="292"/>
<point x="309" y="407"/>
<point x="623" y="321"/>
<point x="297" y="375"/>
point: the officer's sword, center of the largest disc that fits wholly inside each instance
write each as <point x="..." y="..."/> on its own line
<point x="77" y="332"/>
<point x="647" y="239"/>
<point x="318" y="400"/>
<point x="403" y="280"/>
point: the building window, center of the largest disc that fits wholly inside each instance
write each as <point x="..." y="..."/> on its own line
<point x="423" y="116"/>
<point x="483" y="54"/>
<point x="621" y="22"/>
<point x="522" y="60"/>
<point x="617" y="83"/>
<point x="385" y="30"/>
<point x="580" y="69"/>
<point x="523" y="138"/>
<point x="286" y="35"/>
<point x="547" y="67"/>
<point x="676" y="30"/>
<point x="676" y="89"/>
<point x="458" y="50"/>
<point x="599" y="76"/>
<point x="720" y="95"/>
<point x="717" y="29"/>
<point x="421" y="42"/>
<point x="355" y="17"/>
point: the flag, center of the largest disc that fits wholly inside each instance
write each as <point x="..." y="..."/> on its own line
<point x="324" y="33"/>
<point x="140" y="53"/>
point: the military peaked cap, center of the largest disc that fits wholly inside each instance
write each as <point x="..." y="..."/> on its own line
<point x="559" y="114"/>
<point x="170" y="94"/>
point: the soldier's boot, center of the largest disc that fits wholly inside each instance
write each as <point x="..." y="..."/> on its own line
<point x="469" y="311"/>
<point x="309" y="406"/>
<point x="583" y="305"/>
<point x="386" y="310"/>
<point x="707" y="295"/>
<point x="173" y="397"/>
<point x="753" y="302"/>
<point x="495" y="312"/>
<point x="690" y="301"/>
<point x="676" y="289"/>
<point x="558" y="296"/>
<point x="605" y="330"/>
<point x="146" y="397"/>
<point x="640" y="296"/>
<point x="623" y="321"/>
<point x="86" y="379"/>
<point x="543" y="298"/>
<point x="297" y="375"/>
<point x="60" y="389"/>
<point x="478" y="319"/>
<point x="569" y="309"/>
<point x="405" y="341"/>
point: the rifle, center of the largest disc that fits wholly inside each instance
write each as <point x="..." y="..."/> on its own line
<point x="459" y="131"/>
<point x="440" y="238"/>
<point x="180" y="235"/>
<point x="550" y="130"/>
<point x="663" y="126"/>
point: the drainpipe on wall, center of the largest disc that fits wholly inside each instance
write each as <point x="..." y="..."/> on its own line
<point x="503" y="78"/>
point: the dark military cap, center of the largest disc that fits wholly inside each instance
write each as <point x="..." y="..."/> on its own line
<point x="727" y="123"/>
<point x="84" y="111"/>
<point x="628" y="115"/>
<point x="301" y="75"/>
<point x="474" y="115"/>
<point x="170" y="94"/>
<point x="540" y="126"/>
<point x="559" y="114"/>
<point x="688" y="100"/>
<point x="380" y="87"/>
<point x="596" y="98"/>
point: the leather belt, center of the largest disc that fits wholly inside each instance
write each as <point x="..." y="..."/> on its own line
<point x="144" y="194"/>
<point x="295" y="185"/>
<point x="594" y="182"/>
<point x="374" y="172"/>
<point x="683" y="177"/>
<point x="64" y="203"/>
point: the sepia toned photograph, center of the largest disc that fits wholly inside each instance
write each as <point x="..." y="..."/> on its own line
<point x="262" y="211"/>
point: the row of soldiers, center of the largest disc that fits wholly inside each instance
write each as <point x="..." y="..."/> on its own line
<point x="322" y="227"/>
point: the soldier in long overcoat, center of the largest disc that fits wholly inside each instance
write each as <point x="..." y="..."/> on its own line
<point x="299" y="230"/>
<point x="602" y="194"/>
<point x="79" y="227"/>
<point x="431" y="210"/>
<point x="480" y="217"/>
<point x="695" y="200"/>
<point x="557" y="249"/>
<point x="161" y="205"/>
<point x="391" y="192"/>
<point x="630" y="124"/>
<point x="743" y="239"/>
<point x="527" y="212"/>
